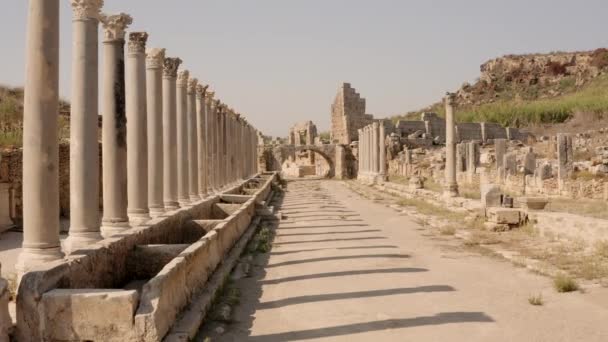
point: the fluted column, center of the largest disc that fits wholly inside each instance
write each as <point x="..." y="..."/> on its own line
<point x="114" y="126"/>
<point x="201" y="124"/>
<point x="220" y="146"/>
<point x="183" y="190"/>
<point x="154" y="88"/>
<point x="170" y="67"/>
<point x="137" y="138"/>
<point x="40" y="144"/>
<point x="382" y="150"/>
<point x="192" y="159"/>
<point x="240" y="156"/>
<point x="451" y="187"/>
<point x="84" y="147"/>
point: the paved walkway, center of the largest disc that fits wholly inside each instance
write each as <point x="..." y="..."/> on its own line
<point x="344" y="268"/>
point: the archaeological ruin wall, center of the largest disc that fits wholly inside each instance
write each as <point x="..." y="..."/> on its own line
<point x="348" y="115"/>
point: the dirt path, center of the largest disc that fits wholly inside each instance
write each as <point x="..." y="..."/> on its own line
<point x="344" y="268"/>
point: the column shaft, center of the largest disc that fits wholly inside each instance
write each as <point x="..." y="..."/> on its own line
<point x="382" y="149"/>
<point x="154" y="88"/>
<point x="114" y="127"/>
<point x="84" y="112"/>
<point x="40" y="147"/>
<point x="183" y="189"/>
<point x="201" y="126"/>
<point x="170" y="133"/>
<point x="137" y="138"/>
<point x="451" y="187"/>
<point x="192" y="159"/>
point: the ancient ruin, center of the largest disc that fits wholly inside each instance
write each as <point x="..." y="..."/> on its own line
<point x="164" y="215"/>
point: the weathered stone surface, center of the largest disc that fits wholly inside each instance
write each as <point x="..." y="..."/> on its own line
<point x="533" y="203"/>
<point x="504" y="216"/>
<point x="89" y="314"/>
<point x="147" y="260"/>
<point x="491" y="195"/>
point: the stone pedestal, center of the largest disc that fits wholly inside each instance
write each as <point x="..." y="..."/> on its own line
<point x="137" y="138"/>
<point x="170" y="133"/>
<point x="40" y="146"/>
<point x="183" y="190"/>
<point x="154" y="88"/>
<point x="84" y="148"/>
<point x="114" y="129"/>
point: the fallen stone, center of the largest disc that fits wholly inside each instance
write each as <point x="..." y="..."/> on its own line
<point x="504" y="216"/>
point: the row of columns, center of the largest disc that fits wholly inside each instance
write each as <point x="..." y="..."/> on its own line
<point x="372" y="151"/>
<point x="167" y="143"/>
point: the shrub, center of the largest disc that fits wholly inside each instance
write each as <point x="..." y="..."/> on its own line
<point x="564" y="283"/>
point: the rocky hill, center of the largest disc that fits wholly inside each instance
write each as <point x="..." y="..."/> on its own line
<point x="534" y="89"/>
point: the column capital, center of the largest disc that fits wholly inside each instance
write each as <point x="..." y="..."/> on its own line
<point x="155" y="58"/>
<point x="201" y="90"/>
<point x="450" y="98"/>
<point x="170" y="66"/>
<point x="114" y="25"/>
<point x="192" y="83"/>
<point x="182" y="78"/>
<point x="209" y="95"/>
<point x="137" y="42"/>
<point x="86" y="9"/>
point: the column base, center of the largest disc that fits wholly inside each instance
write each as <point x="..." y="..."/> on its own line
<point x="204" y="196"/>
<point x="170" y="206"/>
<point x="110" y="227"/>
<point x="80" y="240"/>
<point x="194" y="198"/>
<point x="139" y="217"/>
<point x="184" y="202"/>
<point x="32" y="257"/>
<point x="156" y="211"/>
<point x="450" y="191"/>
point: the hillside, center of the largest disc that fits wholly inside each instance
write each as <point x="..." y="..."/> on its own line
<point x="11" y="117"/>
<point x="529" y="90"/>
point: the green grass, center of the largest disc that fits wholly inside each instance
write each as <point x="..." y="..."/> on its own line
<point x="508" y="111"/>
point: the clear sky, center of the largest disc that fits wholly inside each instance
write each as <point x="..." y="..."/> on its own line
<point x="281" y="61"/>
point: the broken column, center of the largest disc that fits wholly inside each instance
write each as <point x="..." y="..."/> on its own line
<point x="137" y="138"/>
<point x="565" y="156"/>
<point x="501" y="149"/>
<point x="192" y="159"/>
<point x="114" y="126"/>
<point x="472" y="159"/>
<point x="201" y="113"/>
<point x="84" y="112"/>
<point x="183" y="190"/>
<point x="451" y="186"/>
<point x="40" y="143"/>
<point x="154" y="88"/>
<point x="170" y="67"/>
<point x="461" y="157"/>
<point x="530" y="162"/>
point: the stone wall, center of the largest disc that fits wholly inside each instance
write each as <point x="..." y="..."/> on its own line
<point x="348" y="115"/>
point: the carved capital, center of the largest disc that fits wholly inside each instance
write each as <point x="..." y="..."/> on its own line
<point x="155" y="58"/>
<point x="170" y="66"/>
<point x="137" y="42"/>
<point x="450" y="98"/>
<point x="182" y="78"/>
<point x="192" y="83"/>
<point x="209" y="95"/>
<point x="115" y="25"/>
<point x="86" y="9"/>
<point x="200" y="91"/>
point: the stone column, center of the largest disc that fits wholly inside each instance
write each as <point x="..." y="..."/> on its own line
<point x="565" y="156"/>
<point x="201" y="124"/>
<point x="84" y="146"/>
<point x="210" y="141"/>
<point x="375" y="148"/>
<point x="192" y="160"/>
<point x="114" y="126"/>
<point x="183" y="190"/>
<point x="451" y="187"/>
<point x="381" y="141"/>
<point x="170" y="133"/>
<point x="359" y="155"/>
<point x="137" y="138"/>
<point x="154" y="88"/>
<point x="219" y="147"/>
<point x="40" y="147"/>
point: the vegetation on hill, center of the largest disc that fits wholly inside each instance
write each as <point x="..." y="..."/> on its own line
<point x="11" y="117"/>
<point x="547" y="95"/>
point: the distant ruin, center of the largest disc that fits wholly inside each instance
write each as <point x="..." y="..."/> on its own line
<point x="348" y="115"/>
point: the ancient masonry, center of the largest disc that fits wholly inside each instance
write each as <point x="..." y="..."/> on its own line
<point x="348" y="115"/>
<point x="180" y="189"/>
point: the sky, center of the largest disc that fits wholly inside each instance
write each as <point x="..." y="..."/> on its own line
<point x="280" y="62"/>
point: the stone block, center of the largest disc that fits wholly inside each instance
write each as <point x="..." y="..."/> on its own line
<point x="504" y="216"/>
<point x="533" y="203"/>
<point x="89" y="314"/>
<point x="147" y="260"/>
<point x="491" y="195"/>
